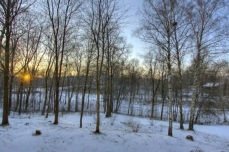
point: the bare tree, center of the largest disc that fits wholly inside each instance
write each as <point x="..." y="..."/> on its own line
<point x="102" y="17"/>
<point x="31" y="40"/>
<point x="223" y="94"/>
<point x="78" y="65"/>
<point x="133" y="82"/>
<point x="47" y="75"/>
<point x="60" y="14"/>
<point x="180" y="45"/>
<point x="89" y="55"/>
<point x="120" y="83"/>
<point x="9" y="11"/>
<point x="157" y="28"/>
<point x="207" y="33"/>
<point x="163" y="88"/>
<point x="116" y="50"/>
<point x="152" y="65"/>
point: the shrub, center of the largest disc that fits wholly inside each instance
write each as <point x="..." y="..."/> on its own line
<point x="134" y="125"/>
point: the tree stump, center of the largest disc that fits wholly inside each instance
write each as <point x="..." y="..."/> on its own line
<point x="189" y="137"/>
<point x="38" y="132"/>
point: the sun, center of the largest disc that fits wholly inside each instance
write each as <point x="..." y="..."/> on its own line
<point x="26" y="77"/>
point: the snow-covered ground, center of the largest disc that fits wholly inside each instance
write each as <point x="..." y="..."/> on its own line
<point x="118" y="134"/>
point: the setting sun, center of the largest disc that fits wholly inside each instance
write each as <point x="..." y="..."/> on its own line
<point x="27" y="77"/>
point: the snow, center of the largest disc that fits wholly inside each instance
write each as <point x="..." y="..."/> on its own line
<point x="212" y="85"/>
<point x="116" y="135"/>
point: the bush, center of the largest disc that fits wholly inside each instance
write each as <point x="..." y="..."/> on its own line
<point x="197" y="150"/>
<point x="134" y="125"/>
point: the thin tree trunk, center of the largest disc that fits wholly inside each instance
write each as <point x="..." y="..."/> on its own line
<point x="10" y="92"/>
<point x="76" y="103"/>
<point x="56" y="106"/>
<point x="18" y="96"/>
<point x="88" y="96"/>
<point x="194" y="100"/>
<point x="162" y="92"/>
<point x="49" y="99"/>
<point x="198" y="112"/>
<point x="97" y="100"/>
<point x="162" y="107"/>
<point x="152" y="108"/>
<point x="46" y="97"/>
<point x="170" y="131"/>
<point x="27" y="97"/>
<point x="70" y="98"/>
<point x="5" y="120"/>
<point x="20" y="101"/>
<point x="47" y="75"/>
<point x="83" y="95"/>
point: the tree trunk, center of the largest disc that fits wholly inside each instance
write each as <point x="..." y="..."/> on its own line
<point x="162" y="107"/>
<point x="76" y="103"/>
<point x="97" y="100"/>
<point x="10" y="92"/>
<point x="170" y="133"/>
<point x="56" y="107"/>
<point x="162" y="91"/>
<point x="83" y="95"/>
<point x="20" y="100"/>
<point x="195" y="92"/>
<point x="152" y="108"/>
<point x="45" y="100"/>
<point x="27" y="97"/>
<point x="169" y="66"/>
<point x="5" y="120"/>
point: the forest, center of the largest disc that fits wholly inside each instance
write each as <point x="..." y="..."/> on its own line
<point x="71" y="56"/>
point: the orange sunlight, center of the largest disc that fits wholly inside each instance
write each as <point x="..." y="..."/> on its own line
<point x="26" y="77"/>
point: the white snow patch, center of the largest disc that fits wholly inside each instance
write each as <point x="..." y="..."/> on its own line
<point x="116" y="135"/>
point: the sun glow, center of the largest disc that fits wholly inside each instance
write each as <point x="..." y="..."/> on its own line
<point x="26" y="77"/>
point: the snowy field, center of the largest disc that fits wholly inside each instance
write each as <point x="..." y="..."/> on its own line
<point x="118" y="134"/>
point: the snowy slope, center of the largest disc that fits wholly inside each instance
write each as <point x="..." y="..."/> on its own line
<point x="116" y="135"/>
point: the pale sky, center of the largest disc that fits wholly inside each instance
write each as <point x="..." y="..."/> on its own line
<point x="138" y="46"/>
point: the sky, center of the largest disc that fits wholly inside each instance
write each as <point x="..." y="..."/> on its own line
<point x="133" y="23"/>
